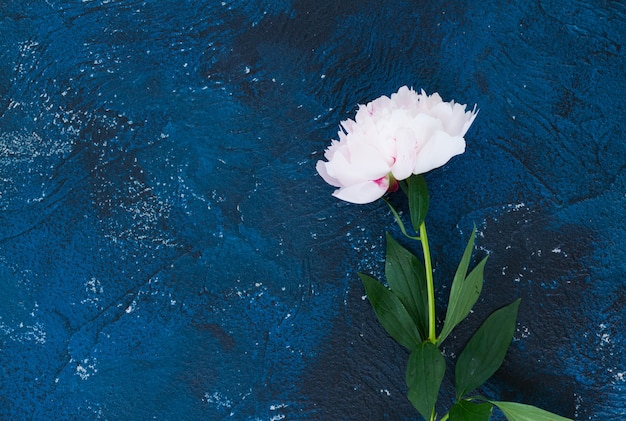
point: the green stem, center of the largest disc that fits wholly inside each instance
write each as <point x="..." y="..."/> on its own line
<point x="430" y="286"/>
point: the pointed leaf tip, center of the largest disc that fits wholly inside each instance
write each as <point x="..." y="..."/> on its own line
<point x="521" y="412"/>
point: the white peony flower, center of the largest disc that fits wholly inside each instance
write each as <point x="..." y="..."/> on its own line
<point x="390" y="139"/>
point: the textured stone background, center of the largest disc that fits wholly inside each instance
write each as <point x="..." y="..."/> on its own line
<point x="167" y="250"/>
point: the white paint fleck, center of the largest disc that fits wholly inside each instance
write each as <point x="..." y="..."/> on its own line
<point x="131" y="307"/>
<point x="219" y="400"/>
<point x="605" y="338"/>
<point x="86" y="368"/>
<point x="524" y="332"/>
<point x="25" y="332"/>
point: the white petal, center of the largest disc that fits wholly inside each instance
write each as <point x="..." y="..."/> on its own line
<point x="471" y="115"/>
<point x="321" y="170"/>
<point x="368" y="162"/>
<point x="364" y="164"/>
<point x="452" y="116"/>
<point x="332" y="149"/>
<point x="406" y="154"/>
<point x="366" y="192"/>
<point x="405" y="98"/>
<point x="341" y="170"/>
<point x="438" y="151"/>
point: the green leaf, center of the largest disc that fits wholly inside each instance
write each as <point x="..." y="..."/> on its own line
<point x="485" y="351"/>
<point x="399" y="220"/>
<point x="391" y="313"/>
<point x="470" y="411"/>
<point x="406" y="277"/>
<point x="521" y="412"/>
<point x="465" y="290"/>
<point x="418" y="200"/>
<point x="424" y="374"/>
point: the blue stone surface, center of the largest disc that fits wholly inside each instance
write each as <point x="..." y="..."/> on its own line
<point x="167" y="250"/>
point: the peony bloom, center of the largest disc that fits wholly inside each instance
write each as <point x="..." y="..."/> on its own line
<point x="390" y="139"/>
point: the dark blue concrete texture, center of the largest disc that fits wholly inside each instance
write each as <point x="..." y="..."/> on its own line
<point x="167" y="250"/>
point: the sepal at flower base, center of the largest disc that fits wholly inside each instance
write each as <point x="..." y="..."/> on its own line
<point x="418" y="200"/>
<point x="391" y="313"/>
<point x="424" y="374"/>
<point x="485" y="351"/>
